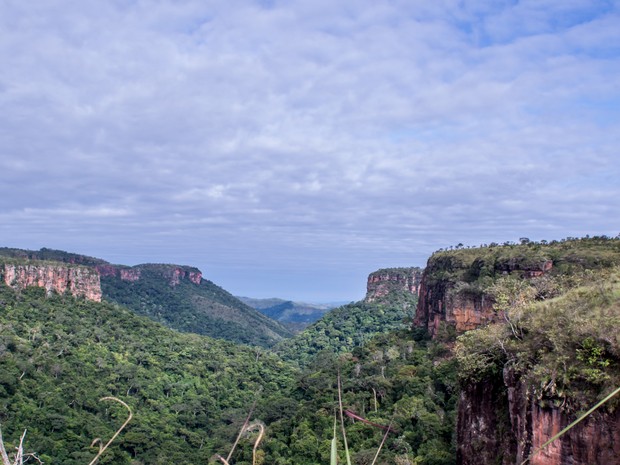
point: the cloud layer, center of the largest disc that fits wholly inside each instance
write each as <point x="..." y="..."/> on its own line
<point x="290" y="148"/>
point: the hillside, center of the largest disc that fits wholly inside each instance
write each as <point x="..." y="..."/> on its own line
<point x="59" y="355"/>
<point x="180" y="298"/>
<point x="177" y="296"/>
<point x="344" y="328"/>
<point x="294" y="315"/>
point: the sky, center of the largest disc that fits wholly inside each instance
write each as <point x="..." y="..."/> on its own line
<point x="290" y="148"/>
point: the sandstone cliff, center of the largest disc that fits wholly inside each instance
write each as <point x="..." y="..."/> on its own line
<point x="173" y="274"/>
<point x="502" y="423"/>
<point x="79" y="281"/>
<point x="387" y="281"/>
<point x="453" y="288"/>
<point x="529" y="371"/>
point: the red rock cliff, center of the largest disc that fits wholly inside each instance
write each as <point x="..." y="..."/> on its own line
<point x="439" y="304"/>
<point x="388" y="280"/>
<point x="446" y="297"/>
<point x="174" y="274"/>
<point x="79" y="281"/>
<point x="485" y="434"/>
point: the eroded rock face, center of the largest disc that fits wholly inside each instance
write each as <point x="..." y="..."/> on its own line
<point x="174" y="274"/>
<point x="438" y="304"/>
<point x="500" y="423"/>
<point x="80" y="281"/>
<point x="385" y="281"/>
<point x="442" y="301"/>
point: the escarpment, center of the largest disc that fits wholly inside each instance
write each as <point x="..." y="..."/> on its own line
<point x="79" y="281"/>
<point x="455" y="288"/>
<point x="393" y="280"/>
<point x="544" y="351"/>
<point x="501" y="422"/>
<point x="173" y="274"/>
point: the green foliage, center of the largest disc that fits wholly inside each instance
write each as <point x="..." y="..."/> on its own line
<point x="59" y="356"/>
<point x="566" y="349"/>
<point x="570" y="257"/>
<point x="204" y="309"/>
<point x="391" y="378"/>
<point x="50" y="255"/>
<point x="349" y="326"/>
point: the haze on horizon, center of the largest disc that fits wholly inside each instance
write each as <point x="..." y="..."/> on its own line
<point x="288" y="149"/>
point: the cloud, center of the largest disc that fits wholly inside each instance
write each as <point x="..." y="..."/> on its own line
<point x="305" y="134"/>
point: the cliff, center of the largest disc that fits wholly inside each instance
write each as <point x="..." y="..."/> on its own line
<point x="544" y="358"/>
<point x="79" y="281"/>
<point x="458" y="287"/>
<point x="175" y="295"/>
<point x="384" y="282"/>
<point x="503" y="423"/>
<point x="173" y="274"/>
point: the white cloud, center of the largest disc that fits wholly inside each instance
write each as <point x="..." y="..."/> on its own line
<point x="350" y="129"/>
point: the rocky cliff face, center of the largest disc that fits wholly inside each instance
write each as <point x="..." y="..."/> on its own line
<point x="440" y="303"/>
<point x="390" y="280"/>
<point x="449" y="292"/>
<point x="174" y="274"/>
<point x="501" y="423"/>
<point x="524" y="380"/>
<point x="79" y="281"/>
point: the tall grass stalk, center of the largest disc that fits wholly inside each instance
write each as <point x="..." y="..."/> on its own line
<point x="103" y="448"/>
<point x="344" y="433"/>
<point x="334" y="451"/>
<point x="241" y="431"/>
<point x="569" y="427"/>
<point x="387" y="431"/>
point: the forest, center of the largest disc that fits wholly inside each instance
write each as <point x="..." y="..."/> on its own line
<point x="190" y="394"/>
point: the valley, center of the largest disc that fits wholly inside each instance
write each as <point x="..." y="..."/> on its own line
<point x="478" y="358"/>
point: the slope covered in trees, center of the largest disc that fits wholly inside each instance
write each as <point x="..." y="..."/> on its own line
<point x="59" y="355"/>
<point x="203" y="308"/>
<point x="349" y="326"/>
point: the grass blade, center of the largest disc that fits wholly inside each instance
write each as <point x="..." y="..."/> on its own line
<point x="334" y="452"/>
<point x="344" y="434"/>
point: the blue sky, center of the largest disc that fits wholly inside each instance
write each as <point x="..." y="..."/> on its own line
<point x="290" y="148"/>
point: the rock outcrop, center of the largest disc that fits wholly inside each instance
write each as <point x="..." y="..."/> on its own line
<point x="450" y="292"/>
<point x="389" y="280"/>
<point x="174" y="274"/>
<point x="79" y="281"/>
<point x="439" y="303"/>
<point x="501" y="423"/>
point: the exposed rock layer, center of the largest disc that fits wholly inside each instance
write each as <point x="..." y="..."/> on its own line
<point x="441" y="299"/>
<point x="79" y="281"/>
<point x="388" y="280"/>
<point x="172" y="273"/>
<point x="499" y="423"/>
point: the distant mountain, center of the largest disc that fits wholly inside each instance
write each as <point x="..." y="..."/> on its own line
<point x="294" y="315"/>
<point x="177" y="296"/>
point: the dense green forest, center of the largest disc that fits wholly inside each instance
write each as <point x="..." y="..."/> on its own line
<point x="556" y="331"/>
<point x="59" y="355"/>
<point x="350" y="326"/>
<point x="203" y="308"/>
<point x="395" y="379"/>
